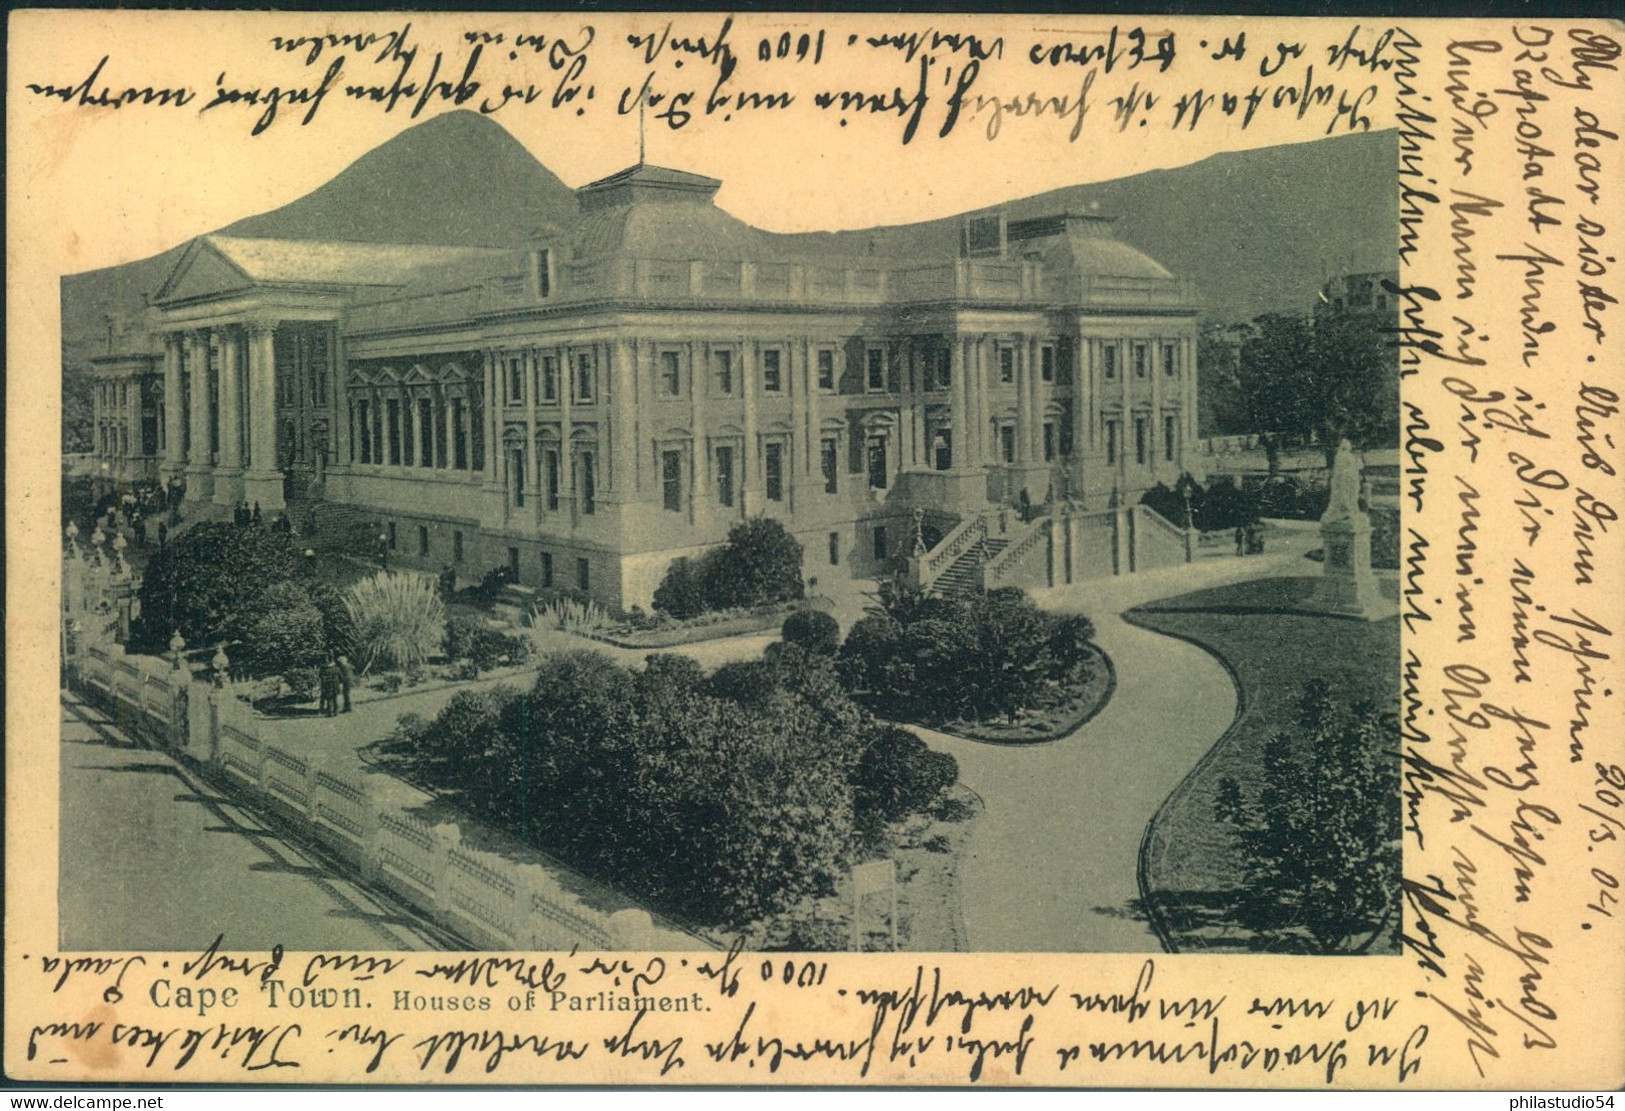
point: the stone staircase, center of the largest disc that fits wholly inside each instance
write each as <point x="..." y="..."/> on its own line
<point x="514" y="604"/>
<point x="336" y="527"/>
<point x="964" y="575"/>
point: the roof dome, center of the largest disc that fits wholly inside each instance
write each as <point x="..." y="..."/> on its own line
<point x="1083" y="243"/>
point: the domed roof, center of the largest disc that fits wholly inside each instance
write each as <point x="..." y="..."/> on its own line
<point x="654" y="212"/>
<point x="1083" y="244"/>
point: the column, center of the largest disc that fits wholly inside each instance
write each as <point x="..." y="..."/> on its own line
<point x="815" y="421"/>
<point x="796" y="383"/>
<point x="533" y="458"/>
<point x="698" y="361"/>
<point x="1035" y="403"/>
<point x="227" y="488"/>
<point x="959" y="374"/>
<point x="262" y="483"/>
<point x="752" y="491"/>
<point x="1187" y="376"/>
<point x="1125" y="434"/>
<point x="200" y="463"/>
<point x="492" y="414"/>
<point x="621" y="422"/>
<point x="339" y="398"/>
<point x="978" y="397"/>
<point x="567" y="454"/>
<point x="1024" y="411"/>
<point x="1153" y="356"/>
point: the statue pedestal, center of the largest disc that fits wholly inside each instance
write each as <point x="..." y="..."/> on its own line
<point x="1347" y="586"/>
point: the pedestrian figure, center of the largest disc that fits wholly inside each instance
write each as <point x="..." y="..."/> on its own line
<point x="163" y="535"/>
<point x="140" y="526"/>
<point x="1241" y="539"/>
<point x="346" y="680"/>
<point x="328" y="682"/>
<point x="255" y="517"/>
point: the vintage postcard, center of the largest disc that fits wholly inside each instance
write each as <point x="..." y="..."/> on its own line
<point x="814" y="549"/>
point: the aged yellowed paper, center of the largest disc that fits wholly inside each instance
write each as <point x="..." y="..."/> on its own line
<point x="854" y="550"/>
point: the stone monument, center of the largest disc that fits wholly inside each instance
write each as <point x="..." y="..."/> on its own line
<point x="1347" y="585"/>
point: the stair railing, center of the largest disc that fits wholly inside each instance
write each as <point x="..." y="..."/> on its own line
<point x="966" y="535"/>
<point x="1023" y="539"/>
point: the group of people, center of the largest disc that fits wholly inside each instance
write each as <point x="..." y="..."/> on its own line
<point x="334" y="680"/>
<point x="242" y="516"/>
<point x="1250" y="539"/>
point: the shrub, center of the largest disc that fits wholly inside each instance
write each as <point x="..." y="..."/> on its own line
<point x="210" y="584"/>
<point x="898" y="775"/>
<point x="813" y="630"/>
<point x="1320" y="838"/>
<point x="473" y="642"/>
<point x="288" y="633"/>
<point x="399" y="619"/>
<point x="760" y="563"/>
<point x="302" y="683"/>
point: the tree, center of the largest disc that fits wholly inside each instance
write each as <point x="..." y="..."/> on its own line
<point x="759" y="563"/>
<point x="210" y="583"/>
<point x="1319" y="841"/>
<point x="681" y="592"/>
<point x="1331" y="376"/>
<point x="288" y="632"/>
<point x="814" y="630"/>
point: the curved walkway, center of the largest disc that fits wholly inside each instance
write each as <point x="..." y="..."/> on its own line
<point x="1052" y="863"/>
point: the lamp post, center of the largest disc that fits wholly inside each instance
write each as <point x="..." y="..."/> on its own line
<point x="177" y="645"/>
<point x="73" y="538"/>
<point x="383" y="550"/>
<point x="119" y="544"/>
<point x="221" y="663"/>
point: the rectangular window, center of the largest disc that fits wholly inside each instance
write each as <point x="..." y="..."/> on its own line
<point x="587" y="485"/>
<point x="671" y="374"/>
<point x="1046" y="362"/>
<point x="1007" y="365"/>
<point x="725" y="475"/>
<point x="1007" y="442"/>
<point x="877" y="462"/>
<point x="945" y="369"/>
<point x="409" y="441"/>
<point x="550" y="479"/>
<point x="773" y="471"/>
<point x="583" y="574"/>
<point x="457" y="547"/>
<point x="423" y="540"/>
<point x="722" y="372"/>
<point x="426" y="431"/>
<point x="1111" y="443"/>
<point x="513" y="564"/>
<point x="516" y="469"/>
<point x="390" y="535"/>
<point x="550" y="379"/>
<point x="1108" y="360"/>
<point x="1170" y="365"/>
<point x="542" y="272"/>
<point x="516" y="380"/>
<point x="1139" y="360"/>
<point x="394" y="407"/>
<point x="826" y="369"/>
<point x="586" y="386"/>
<point x="880" y="543"/>
<point x="828" y="455"/>
<point x="364" y="422"/>
<point x="1170" y="435"/>
<point x="460" y="436"/>
<point x="834" y="549"/>
<point x="1049" y="441"/>
<point x="547" y="568"/>
<point x="875" y="374"/>
<point x="944" y="445"/>
<point x="671" y="479"/>
<point x="1141" y="447"/>
<point x="772" y="371"/>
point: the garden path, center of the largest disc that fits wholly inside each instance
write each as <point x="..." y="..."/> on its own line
<point x="1052" y="863"/>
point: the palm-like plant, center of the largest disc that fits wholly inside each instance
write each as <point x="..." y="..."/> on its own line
<point x="399" y="619"/>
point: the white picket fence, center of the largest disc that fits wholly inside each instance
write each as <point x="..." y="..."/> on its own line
<point x="485" y="899"/>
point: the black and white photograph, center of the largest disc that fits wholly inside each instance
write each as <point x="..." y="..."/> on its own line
<point x="649" y="486"/>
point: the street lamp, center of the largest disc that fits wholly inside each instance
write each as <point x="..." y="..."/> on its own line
<point x="119" y="544"/>
<point x="177" y="645"/>
<point x="220" y="663"/>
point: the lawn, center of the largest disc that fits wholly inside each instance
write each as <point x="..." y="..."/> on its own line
<point x="1272" y="645"/>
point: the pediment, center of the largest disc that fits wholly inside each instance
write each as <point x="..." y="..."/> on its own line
<point x="202" y="273"/>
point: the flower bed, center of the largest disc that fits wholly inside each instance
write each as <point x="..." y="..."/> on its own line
<point x="660" y="631"/>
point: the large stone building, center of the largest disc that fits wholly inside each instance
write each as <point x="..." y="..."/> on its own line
<point x="615" y="393"/>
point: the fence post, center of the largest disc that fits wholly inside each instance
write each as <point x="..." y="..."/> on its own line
<point x="313" y="771"/>
<point x="446" y="838"/>
<point x="527" y="882"/>
<point x="372" y="833"/>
